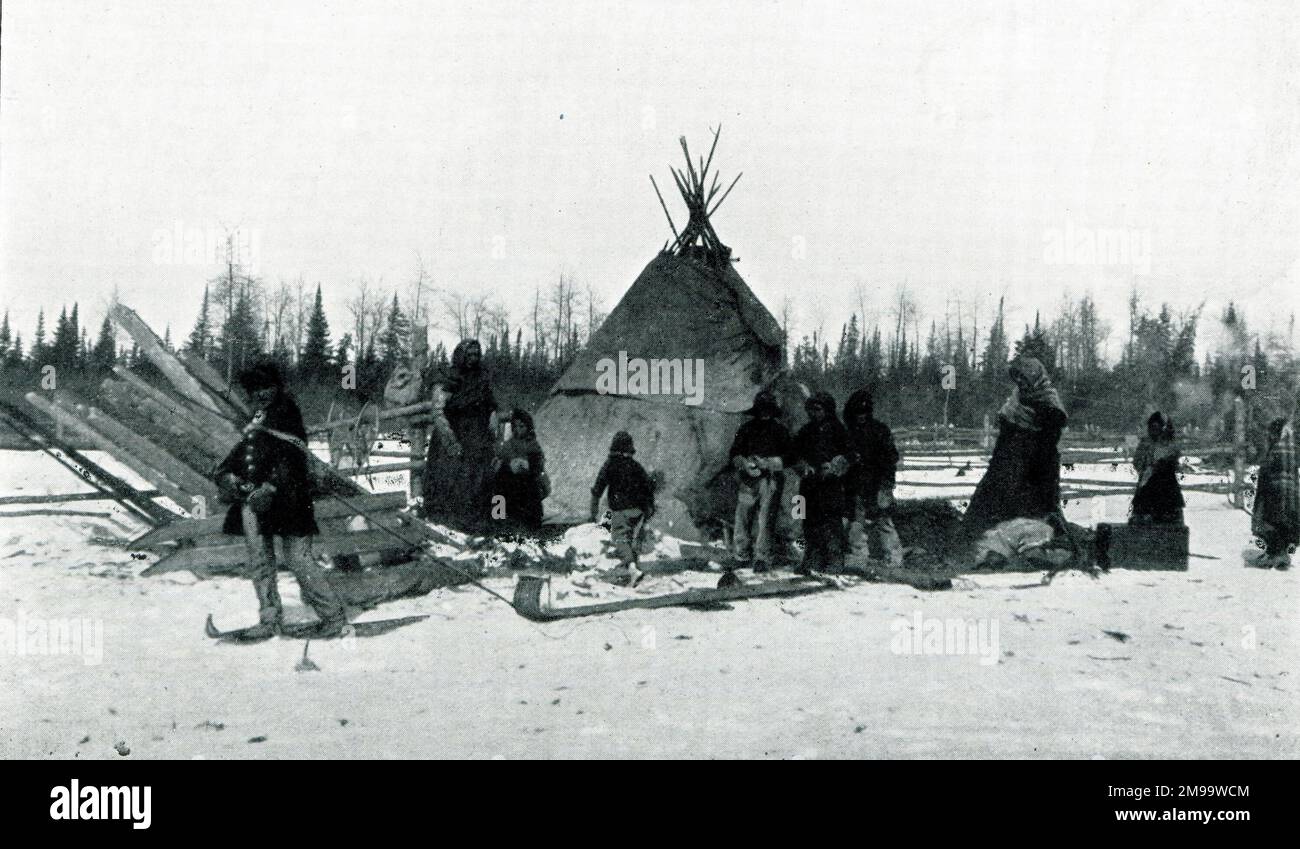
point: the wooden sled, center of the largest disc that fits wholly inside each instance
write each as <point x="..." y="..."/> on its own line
<point x="528" y="597"/>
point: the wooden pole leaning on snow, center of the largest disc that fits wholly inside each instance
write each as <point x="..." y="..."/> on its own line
<point x="166" y="486"/>
<point x="175" y="372"/>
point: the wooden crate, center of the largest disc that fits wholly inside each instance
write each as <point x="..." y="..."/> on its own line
<point x="1151" y="547"/>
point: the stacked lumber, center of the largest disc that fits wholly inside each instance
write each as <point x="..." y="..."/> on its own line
<point x="174" y="435"/>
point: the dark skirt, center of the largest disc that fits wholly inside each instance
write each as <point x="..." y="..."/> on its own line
<point x="1023" y="479"/>
<point x="522" y="494"/>
<point x="456" y="488"/>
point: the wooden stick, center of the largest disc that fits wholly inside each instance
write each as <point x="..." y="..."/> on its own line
<point x="75" y="496"/>
<point x="724" y="194"/>
<point x="671" y="226"/>
<point x="366" y="471"/>
<point x="96" y="514"/>
<point x="712" y="148"/>
<point x="689" y="167"/>
<point x="384" y="415"/>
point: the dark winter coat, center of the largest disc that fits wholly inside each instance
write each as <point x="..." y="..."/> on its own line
<point x="261" y="457"/>
<point x="759" y="437"/>
<point x="628" y="484"/>
<point x="455" y="487"/>
<point x="1024" y="474"/>
<point x="872" y="453"/>
<point x="522" y="491"/>
<point x="817" y="444"/>
<point x="1158" y="497"/>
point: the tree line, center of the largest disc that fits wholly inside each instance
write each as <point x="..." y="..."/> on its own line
<point x="948" y="372"/>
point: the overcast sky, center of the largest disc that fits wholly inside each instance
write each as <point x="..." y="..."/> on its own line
<point x="968" y="149"/>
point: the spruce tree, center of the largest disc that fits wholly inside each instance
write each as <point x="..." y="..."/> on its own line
<point x="38" y="347"/>
<point x="315" y="360"/>
<point x="397" y="333"/>
<point x="200" y="341"/>
<point x="6" y="337"/>
<point x="103" y="355"/>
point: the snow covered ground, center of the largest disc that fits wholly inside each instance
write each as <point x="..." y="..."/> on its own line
<point x="1135" y="664"/>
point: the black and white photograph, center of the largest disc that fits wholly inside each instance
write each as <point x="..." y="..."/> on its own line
<point x="649" y="379"/>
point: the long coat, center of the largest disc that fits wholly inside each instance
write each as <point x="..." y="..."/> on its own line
<point x="261" y="458"/>
<point x="456" y="487"/>
<point x="1158" y="496"/>
<point x="818" y="443"/>
<point x="1277" y="499"/>
<point x="522" y="491"/>
<point x="1024" y="474"/>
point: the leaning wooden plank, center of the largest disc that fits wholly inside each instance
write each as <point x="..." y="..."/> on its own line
<point x="138" y="465"/>
<point x="59" y="499"/>
<point x="324" y="508"/>
<point x="141" y="505"/>
<point x="214" y="383"/>
<point x="177" y="429"/>
<point x="139" y="445"/>
<point x="161" y="459"/>
<point x="219" y="558"/>
<point x="193" y="414"/>
<point x="152" y="347"/>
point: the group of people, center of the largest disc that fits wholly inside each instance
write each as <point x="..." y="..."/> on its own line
<point x="837" y="477"/>
<point x="834" y="477"/>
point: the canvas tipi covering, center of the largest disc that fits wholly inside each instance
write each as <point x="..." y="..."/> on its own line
<point x="688" y="304"/>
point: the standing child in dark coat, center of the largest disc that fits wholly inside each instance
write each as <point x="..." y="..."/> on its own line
<point x="631" y="501"/>
<point x="266" y="482"/>
<point x="821" y="450"/>
<point x="520" y="476"/>
<point x="870" y="483"/>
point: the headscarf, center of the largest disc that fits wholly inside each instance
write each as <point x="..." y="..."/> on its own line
<point x="468" y="387"/>
<point x="1033" y="391"/>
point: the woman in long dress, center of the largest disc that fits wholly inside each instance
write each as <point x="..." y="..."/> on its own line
<point x="1158" y="498"/>
<point x="1024" y="474"/>
<point x="462" y="445"/>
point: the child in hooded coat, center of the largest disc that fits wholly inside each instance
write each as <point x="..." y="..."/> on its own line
<point x="821" y="450"/>
<point x="519" y="484"/>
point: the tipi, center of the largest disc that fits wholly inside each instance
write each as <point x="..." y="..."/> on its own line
<point x="688" y="314"/>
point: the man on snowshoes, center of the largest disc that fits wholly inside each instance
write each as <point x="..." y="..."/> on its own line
<point x="265" y="480"/>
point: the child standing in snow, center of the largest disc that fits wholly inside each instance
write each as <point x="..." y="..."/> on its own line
<point x="631" y="501"/>
<point x="520" y="478"/>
